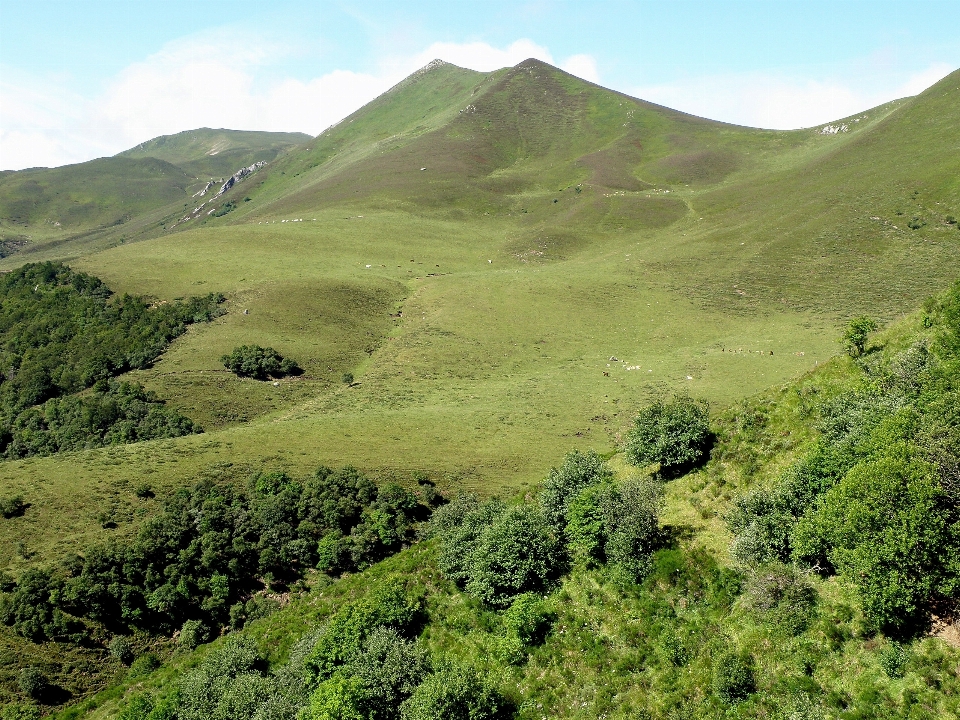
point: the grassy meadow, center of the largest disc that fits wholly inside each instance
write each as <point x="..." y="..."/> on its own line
<point x="510" y="265"/>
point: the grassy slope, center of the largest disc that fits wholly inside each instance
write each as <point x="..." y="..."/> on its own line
<point x="607" y="654"/>
<point x="120" y="196"/>
<point x="763" y="243"/>
<point x="208" y="153"/>
<point x="497" y="368"/>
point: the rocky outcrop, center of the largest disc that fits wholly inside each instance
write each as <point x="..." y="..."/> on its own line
<point x="238" y="176"/>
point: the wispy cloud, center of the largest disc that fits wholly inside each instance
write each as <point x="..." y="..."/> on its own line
<point x="780" y="101"/>
<point x="227" y="79"/>
<point x="213" y="80"/>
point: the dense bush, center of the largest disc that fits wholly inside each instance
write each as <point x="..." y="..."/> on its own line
<point x="33" y="682"/>
<point x="855" y="336"/>
<point x="583" y="517"/>
<point x="385" y="672"/>
<point x="341" y="640"/>
<point x="886" y="528"/>
<point x="578" y="471"/>
<point x="212" y="546"/>
<point x="876" y="499"/>
<point x="12" y="506"/>
<point x="121" y="649"/>
<point x="733" y="676"/>
<point x="455" y="692"/>
<point x="259" y="362"/>
<point x="62" y="331"/>
<point x="783" y="597"/>
<point x="114" y="413"/>
<point x="515" y="554"/>
<point x="675" y="434"/>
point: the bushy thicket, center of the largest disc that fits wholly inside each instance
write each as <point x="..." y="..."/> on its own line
<point x="498" y="552"/>
<point x="876" y="500"/>
<point x="259" y="362"/>
<point x="114" y="413"/>
<point x="363" y="663"/>
<point x="61" y="332"/>
<point x="674" y="434"/>
<point x="210" y="549"/>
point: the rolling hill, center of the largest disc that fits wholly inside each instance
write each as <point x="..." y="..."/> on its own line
<point x="509" y="265"/>
<point x="101" y="197"/>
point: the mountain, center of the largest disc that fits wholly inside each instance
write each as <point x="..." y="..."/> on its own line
<point x="104" y="195"/>
<point x="210" y="153"/>
<point x="479" y="272"/>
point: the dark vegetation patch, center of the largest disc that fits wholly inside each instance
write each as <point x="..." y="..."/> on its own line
<point x="704" y="167"/>
<point x="62" y="332"/>
<point x="12" y="244"/>
<point x="113" y="413"/>
<point x="546" y="245"/>
<point x="614" y="166"/>
<point x="206" y="555"/>
<point x="639" y="212"/>
<point x="259" y="362"/>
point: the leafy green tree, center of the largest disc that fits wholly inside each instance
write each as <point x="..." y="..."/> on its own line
<point x="886" y="528"/>
<point x="459" y="526"/>
<point x="578" y="471"/>
<point x="517" y="553"/>
<point x="455" y="692"/>
<point x="630" y="515"/>
<point x="342" y="638"/>
<point x="675" y="434"/>
<point x="259" y="362"/>
<point x="854" y="338"/>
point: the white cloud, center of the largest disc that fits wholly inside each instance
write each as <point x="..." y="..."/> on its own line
<point x="783" y="102"/>
<point x="583" y="66"/>
<point x="212" y="80"/>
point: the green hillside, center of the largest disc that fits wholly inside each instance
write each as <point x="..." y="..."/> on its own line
<point x="118" y="197"/>
<point x="207" y="153"/>
<point x="505" y="266"/>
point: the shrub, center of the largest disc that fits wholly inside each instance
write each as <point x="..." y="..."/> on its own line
<point x="144" y="665"/>
<point x="893" y="659"/>
<point x="32" y="682"/>
<point x="19" y="711"/>
<point x="630" y="516"/>
<point x="347" y="378"/>
<point x="342" y="638"/>
<point x="675" y="434"/>
<point x="733" y="678"/>
<point x="121" y="649"/>
<point x="518" y="553"/>
<point x="389" y="669"/>
<point x="854" y="338"/>
<point x="528" y="619"/>
<point x="782" y="595"/>
<point x="259" y="362"/>
<point x="12" y="506"/>
<point x="585" y="531"/>
<point x="460" y="525"/>
<point x="886" y="528"/>
<point x="455" y="692"/>
<point x="578" y="471"/>
<point x="193" y="633"/>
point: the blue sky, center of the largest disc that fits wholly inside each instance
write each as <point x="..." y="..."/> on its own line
<point x="82" y="79"/>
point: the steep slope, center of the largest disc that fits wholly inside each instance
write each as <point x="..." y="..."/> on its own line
<point x="207" y="153"/>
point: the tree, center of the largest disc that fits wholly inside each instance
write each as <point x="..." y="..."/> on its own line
<point x="455" y="692"/>
<point x="259" y="362"/>
<point x="854" y="337"/>
<point x="518" y="553"/>
<point x="675" y="434"/>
